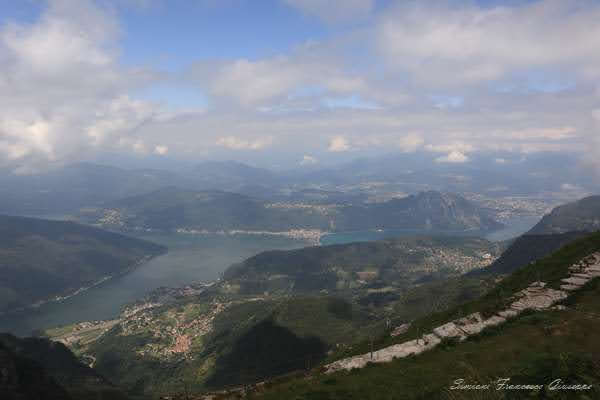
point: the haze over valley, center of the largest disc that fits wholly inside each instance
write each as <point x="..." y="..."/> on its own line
<point x="299" y="199"/>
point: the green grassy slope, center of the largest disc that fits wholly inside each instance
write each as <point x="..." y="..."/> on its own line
<point x="41" y="259"/>
<point x="535" y="348"/>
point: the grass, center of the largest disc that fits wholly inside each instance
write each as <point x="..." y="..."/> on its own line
<point x="535" y="348"/>
<point x="550" y="269"/>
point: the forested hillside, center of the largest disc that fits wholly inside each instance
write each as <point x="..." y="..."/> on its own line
<point x="42" y="259"/>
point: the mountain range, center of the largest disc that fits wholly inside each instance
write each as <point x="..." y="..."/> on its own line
<point x="286" y="311"/>
<point x="323" y="302"/>
<point x="171" y="209"/>
<point x="65" y="189"/>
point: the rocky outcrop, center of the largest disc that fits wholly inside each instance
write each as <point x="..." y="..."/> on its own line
<point x="582" y="272"/>
<point x="399" y="330"/>
<point x="535" y="297"/>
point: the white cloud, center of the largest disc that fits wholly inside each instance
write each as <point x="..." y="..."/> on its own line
<point x="447" y="44"/>
<point x="62" y="93"/>
<point x="410" y="143"/>
<point x="453" y="157"/>
<point x="560" y="133"/>
<point x="570" y="187"/>
<point x="236" y="143"/>
<point x="331" y="10"/>
<point x="161" y="150"/>
<point x="308" y="160"/>
<point x="252" y="82"/>
<point x="256" y="82"/>
<point x="458" y="147"/>
<point x="338" y="144"/>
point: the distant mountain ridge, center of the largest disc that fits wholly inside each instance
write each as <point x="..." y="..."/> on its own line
<point x="77" y="185"/>
<point x="172" y="208"/>
<point x="424" y="210"/>
<point x="582" y="215"/>
<point x="41" y="259"/>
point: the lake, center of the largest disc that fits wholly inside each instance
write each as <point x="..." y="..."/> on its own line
<point x="194" y="258"/>
<point x="513" y="227"/>
<point x="191" y="258"/>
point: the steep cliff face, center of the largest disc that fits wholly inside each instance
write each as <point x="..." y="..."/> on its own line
<point x="582" y="215"/>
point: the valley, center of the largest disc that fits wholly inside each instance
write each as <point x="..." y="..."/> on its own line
<point x="199" y="327"/>
<point x="310" y="298"/>
<point x="251" y="289"/>
<point x="198" y="255"/>
<point x="189" y="259"/>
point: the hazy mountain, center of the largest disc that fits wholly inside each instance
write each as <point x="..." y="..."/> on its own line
<point x="581" y="215"/>
<point x="74" y="186"/>
<point x="425" y="210"/>
<point x="172" y="208"/>
<point x="232" y="174"/>
<point x="62" y="190"/>
<point x="41" y="259"/>
<point x="494" y="173"/>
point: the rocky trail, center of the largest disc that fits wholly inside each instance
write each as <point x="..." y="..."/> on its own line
<point x="535" y="297"/>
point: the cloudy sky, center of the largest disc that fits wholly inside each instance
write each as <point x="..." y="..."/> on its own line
<point x="287" y="83"/>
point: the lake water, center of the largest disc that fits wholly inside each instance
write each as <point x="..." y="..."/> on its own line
<point x="191" y="258"/>
<point x="513" y="228"/>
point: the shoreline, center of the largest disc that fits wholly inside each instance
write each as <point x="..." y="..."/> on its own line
<point x="312" y="236"/>
<point x="60" y="298"/>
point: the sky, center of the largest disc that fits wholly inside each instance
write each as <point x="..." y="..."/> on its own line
<point x="297" y="83"/>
